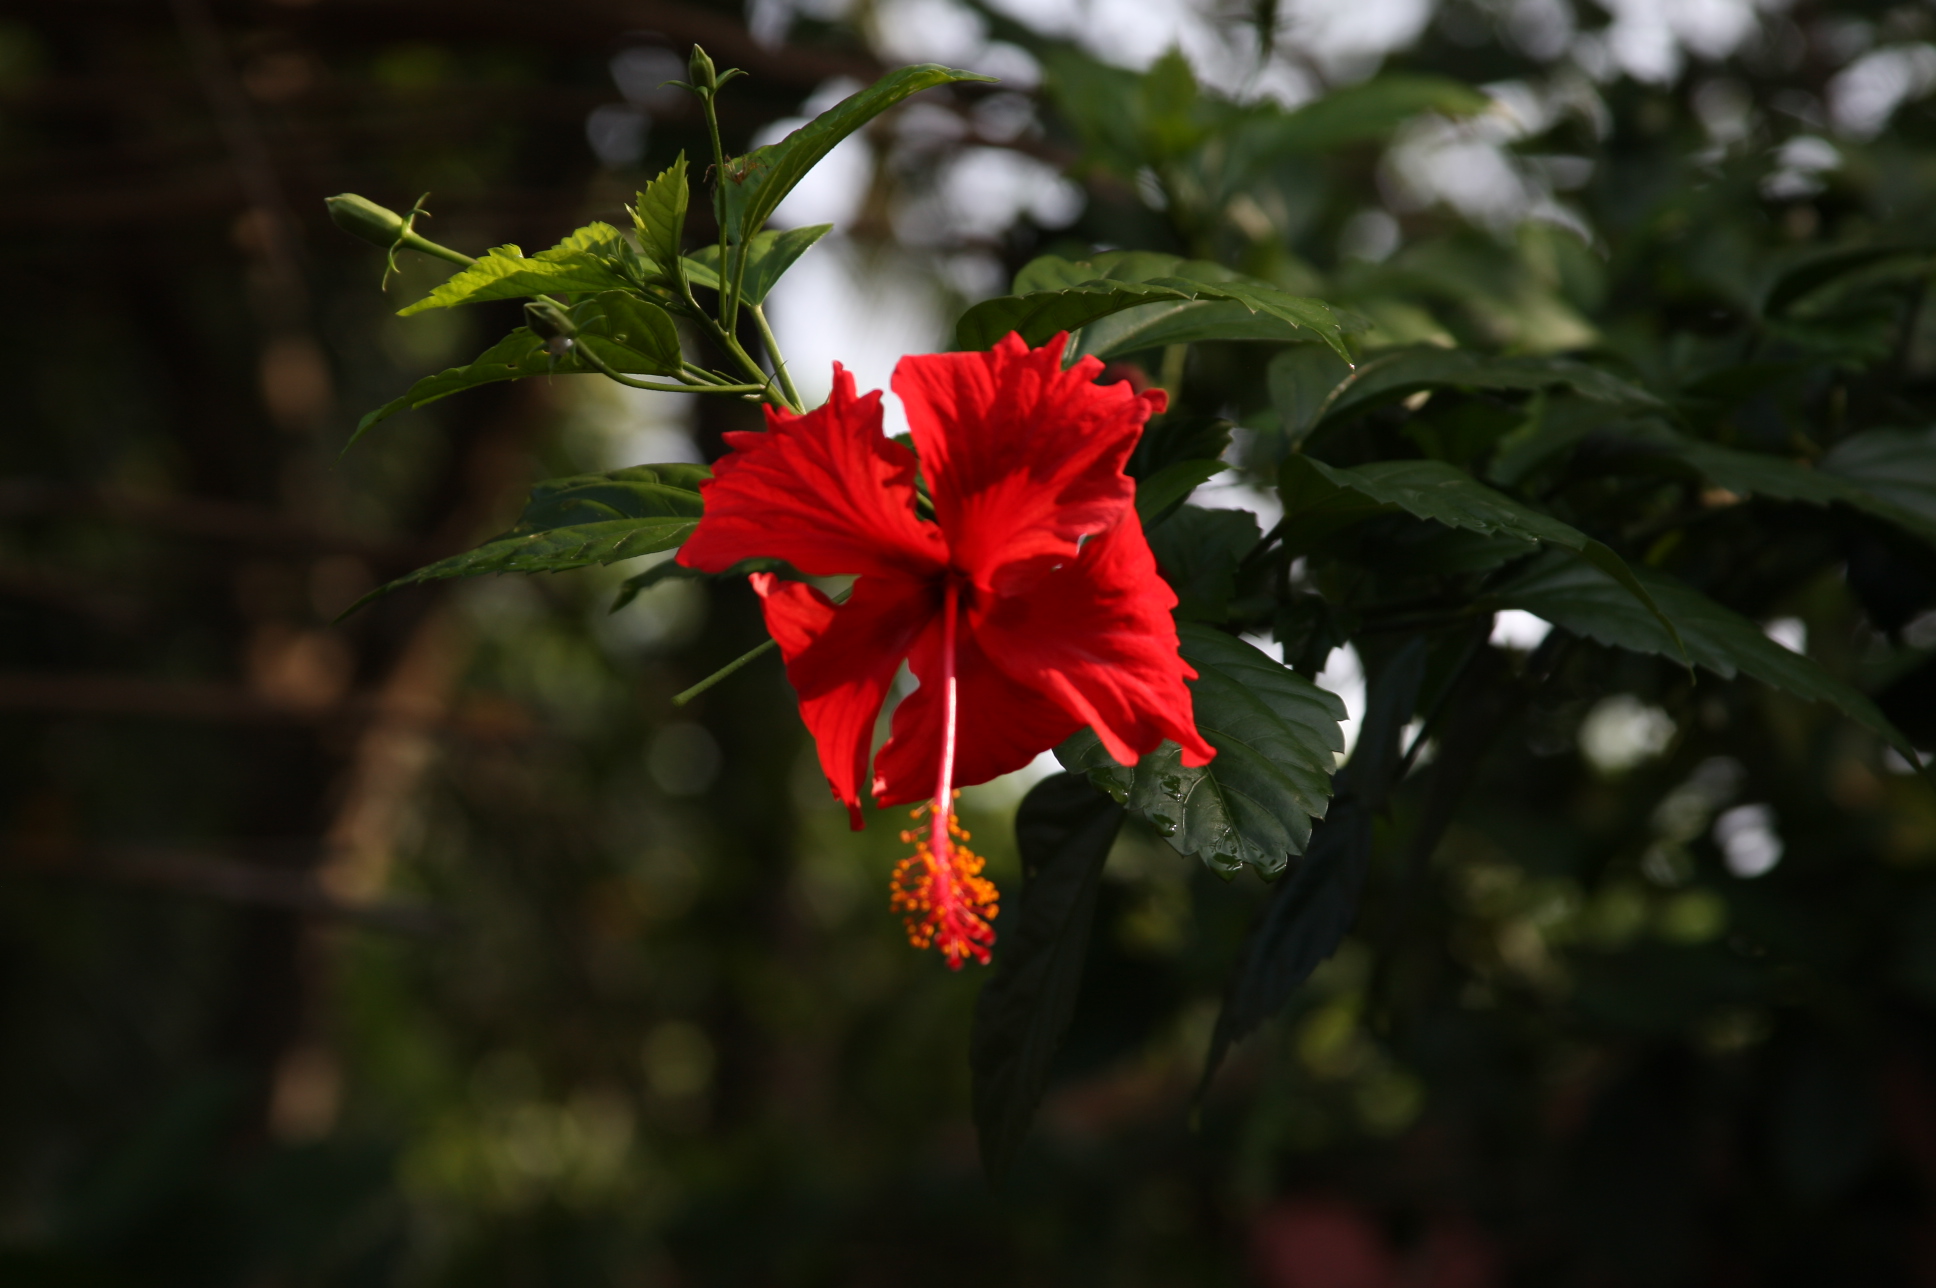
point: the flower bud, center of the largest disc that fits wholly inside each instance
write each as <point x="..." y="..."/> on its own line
<point x="705" y="77"/>
<point x="361" y="217"/>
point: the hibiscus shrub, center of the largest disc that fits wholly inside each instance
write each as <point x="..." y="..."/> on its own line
<point x="1640" y="443"/>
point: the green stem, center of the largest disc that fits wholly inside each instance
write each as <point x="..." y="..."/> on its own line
<point x="751" y="655"/>
<point x="584" y="350"/>
<point x="727" y="303"/>
<point x="779" y="362"/>
<point x="744" y="659"/>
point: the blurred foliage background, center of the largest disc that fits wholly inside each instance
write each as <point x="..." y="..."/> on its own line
<point x="435" y="947"/>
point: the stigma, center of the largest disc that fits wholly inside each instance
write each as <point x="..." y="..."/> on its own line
<point x="945" y="901"/>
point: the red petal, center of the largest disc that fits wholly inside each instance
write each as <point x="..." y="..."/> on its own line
<point x="841" y="661"/>
<point x="827" y="492"/>
<point x="1023" y="457"/>
<point x="1096" y="635"/>
<point x="1000" y="724"/>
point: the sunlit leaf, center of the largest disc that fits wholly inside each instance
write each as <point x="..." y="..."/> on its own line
<point x="769" y="255"/>
<point x="580" y="263"/>
<point x="755" y="184"/>
<point x="660" y="217"/>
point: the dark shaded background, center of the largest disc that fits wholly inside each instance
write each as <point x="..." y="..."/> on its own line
<point x="436" y="947"/>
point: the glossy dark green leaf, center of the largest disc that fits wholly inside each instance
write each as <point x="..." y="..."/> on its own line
<point x="1310" y="911"/>
<point x="1173" y="438"/>
<point x="1277" y="739"/>
<point x="1586" y="601"/>
<point x="755" y="184"/>
<point x="769" y="255"/>
<point x="1063" y="830"/>
<point x="582" y="520"/>
<point x="1437" y="491"/>
<point x="1199" y="551"/>
<point x="1163" y="491"/>
<point x="1897" y="473"/>
<point x="1392" y="374"/>
<point x="582" y="262"/>
<point x="1895" y="466"/>
<point x="660" y="217"/>
<point x="1301" y="380"/>
<point x="1189" y="301"/>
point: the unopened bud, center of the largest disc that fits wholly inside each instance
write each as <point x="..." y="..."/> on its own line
<point x="705" y="77"/>
<point x="361" y="217"/>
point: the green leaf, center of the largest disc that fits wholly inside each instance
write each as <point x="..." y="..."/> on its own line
<point x="1063" y="830"/>
<point x="1188" y="301"/>
<point x="1895" y="466"/>
<point x="672" y="570"/>
<point x="1372" y="109"/>
<point x="1199" y="551"/>
<point x="1301" y="381"/>
<point x="580" y="263"/>
<point x="1277" y="739"/>
<point x="1437" y="491"/>
<point x="1158" y="494"/>
<point x="1897" y="469"/>
<point x="754" y="185"/>
<point x="1174" y="438"/>
<point x="632" y="335"/>
<point x="1812" y="273"/>
<point x="660" y="217"/>
<point x="768" y="256"/>
<point x="1392" y="374"/>
<point x="581" y="520"/>
<point x="1586" y="601"/>
<point x="1309" y="914"/>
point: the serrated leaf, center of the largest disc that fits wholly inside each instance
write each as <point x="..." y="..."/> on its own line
<point x="1174" y="438"/>
<point x="1188" y="301"/>
<point x="1158" y="494"/>
<point x="1392" y="374"/>
<point x="581" y="520"/>
<point x="579" y="264"/>
<point x="1063" y="829"/>
<point x="1309" y="913"/>
<point x="660" y="217"/>
<point x="1895" y="466"/>
<point x="1277" y="737"/>
<point x="630" y="334"/>
<point x="1586" y="601"/>
<point x="1437" y="491"/>
<point x="769" y="255"/>
<point x="1889" y="462"/>
<point x="1199" y="551"/>
<point x="754" y="185"/>
<point x="1300" y="381"/>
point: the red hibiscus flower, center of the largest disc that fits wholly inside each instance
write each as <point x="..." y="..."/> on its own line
<point x="1028" y="607"/>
